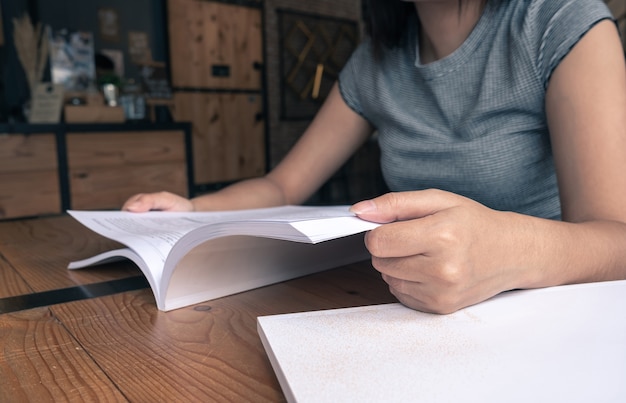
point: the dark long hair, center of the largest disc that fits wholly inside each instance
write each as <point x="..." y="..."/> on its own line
<point x="386" y="22"/>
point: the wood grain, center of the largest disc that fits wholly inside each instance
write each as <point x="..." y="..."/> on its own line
<point x="33" y="193"/>
<point x="124" y="148"/>
<point x="203" y="354"/>
<point x="228" y="138"/>
<point x="29" y="182"/>
<point x="11" y="283"/>
<point x="41" y="362"/>
<point x="21" y="152"/>
<point x="121" y="348"/>
<point x="39" y="250"/>
<point x="105" y="169"/>
<point x="183" y="355"/>
<point x="109" y="187"/>
<point x="206" y="34"/>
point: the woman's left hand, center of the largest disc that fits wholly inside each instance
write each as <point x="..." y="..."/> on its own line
<point x="441" y="252"/>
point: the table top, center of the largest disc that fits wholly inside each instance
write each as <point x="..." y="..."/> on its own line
<point x="96" y="334"/>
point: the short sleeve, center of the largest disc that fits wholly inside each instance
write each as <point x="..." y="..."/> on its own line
<point x="554" y="27"/>
<point x="351" y="75"/>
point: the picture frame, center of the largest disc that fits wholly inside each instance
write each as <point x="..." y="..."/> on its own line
<point x="109" y="24"/>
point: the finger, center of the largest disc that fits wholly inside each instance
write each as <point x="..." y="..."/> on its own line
<point x="422" y="269"/>
<point x="399" y="239"/>
<point x="423" y="297"/>
<point x="418" y="268"/>
<point x="163" y="201"/>
<point x="405" y="205"/>
<point x="137" y="203"/>
<point x="428" y="235"/>
<point x="412" y="298"/>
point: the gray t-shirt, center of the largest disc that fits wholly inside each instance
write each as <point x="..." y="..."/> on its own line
<point x="474" y="122"/>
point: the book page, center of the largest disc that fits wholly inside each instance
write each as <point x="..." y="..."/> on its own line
<point x="153" y="235"/>
<point x="559" y="344"/>
<point x="117" y="255"/>
<point x="233" y="264"/>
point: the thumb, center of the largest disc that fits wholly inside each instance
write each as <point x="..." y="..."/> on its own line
<point x="399" y="206"/>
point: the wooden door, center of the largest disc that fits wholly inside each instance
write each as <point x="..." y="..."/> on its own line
<point x="216" y="51"/>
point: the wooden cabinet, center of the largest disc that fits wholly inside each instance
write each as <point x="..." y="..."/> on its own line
<point x="106" y="168"/>
<point x="47" y="169"/>
<point x="216" y="61"/>
<point x="29" y="177"/>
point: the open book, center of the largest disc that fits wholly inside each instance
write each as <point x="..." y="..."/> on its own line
<point x="189" y="258"/>
<point x="559" y="344"/>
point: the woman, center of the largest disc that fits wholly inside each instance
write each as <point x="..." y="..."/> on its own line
<point x="502" y="127"/>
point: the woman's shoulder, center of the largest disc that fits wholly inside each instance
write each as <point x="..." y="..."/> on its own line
<point x="544" y="13"/>
<point x="547" y="30"/>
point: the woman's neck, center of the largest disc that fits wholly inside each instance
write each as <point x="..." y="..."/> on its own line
<point x="443" y="27"/>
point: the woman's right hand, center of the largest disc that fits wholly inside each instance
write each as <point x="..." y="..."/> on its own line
<point x="163" y="201"/>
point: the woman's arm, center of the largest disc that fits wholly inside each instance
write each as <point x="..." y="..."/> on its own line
<point x="442" y="252"/>
<point x="331" y="138"/>
<point x="586" y="109"/>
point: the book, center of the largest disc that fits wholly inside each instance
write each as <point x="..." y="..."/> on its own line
<point x="189" y="258"/>
<point x="559" y="344"/>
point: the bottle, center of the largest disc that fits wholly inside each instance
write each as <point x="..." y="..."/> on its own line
<point x="133" y="101"/>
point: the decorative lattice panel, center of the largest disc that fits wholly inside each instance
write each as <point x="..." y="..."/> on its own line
<point x="313" y="51"/>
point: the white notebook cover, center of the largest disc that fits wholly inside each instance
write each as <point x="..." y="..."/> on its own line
<point x="559" y="344"/>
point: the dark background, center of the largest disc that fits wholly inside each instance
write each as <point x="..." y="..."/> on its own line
<point x="75" y="15"/>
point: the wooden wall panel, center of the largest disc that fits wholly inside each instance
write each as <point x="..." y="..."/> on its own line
<point x="228" y="136"/>
<point x="207" y="38"/>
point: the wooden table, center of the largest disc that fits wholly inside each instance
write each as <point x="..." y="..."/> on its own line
<point x="96" y="335"/>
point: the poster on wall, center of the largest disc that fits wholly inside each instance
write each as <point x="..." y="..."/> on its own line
<point x="72" y="59"/>
<point x="139" y="47"/>
<point x="109" y="24"/>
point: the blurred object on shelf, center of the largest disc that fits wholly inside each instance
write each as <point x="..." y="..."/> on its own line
<point x="133" y="101"/>
<point x="111" y="94"/>
<point x="72" y="59"/>
<point x="46" y="103"/>
<point x="31" y="45"/>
